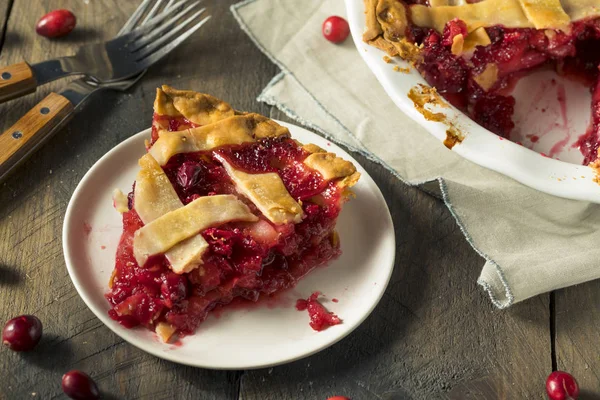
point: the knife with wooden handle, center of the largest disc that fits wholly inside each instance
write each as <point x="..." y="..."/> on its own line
<point x="19" y="141"/>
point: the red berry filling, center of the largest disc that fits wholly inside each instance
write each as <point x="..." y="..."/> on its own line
<point x="170" y="124"/>
<point x="244" y="260"/>
<point x="512" y="52"/>
<point x="320" y="318"/>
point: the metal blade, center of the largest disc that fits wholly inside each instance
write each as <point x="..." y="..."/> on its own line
<point x="50" y="70"/>
<point x="78" y="91"/>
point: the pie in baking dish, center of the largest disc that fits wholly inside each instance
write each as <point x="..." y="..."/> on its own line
<point x="472" y="51"/>
<point x="226" y="207"/>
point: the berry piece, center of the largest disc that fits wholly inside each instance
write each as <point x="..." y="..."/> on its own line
<point x="79" y="386"/>
<point x="56" y="23"/>
<point x="453" y="28"/>
<point x="22" y="333"/>
<point x="336" y="29"/>
<point x="561" y="385"/>
<point x="339" y="398"/>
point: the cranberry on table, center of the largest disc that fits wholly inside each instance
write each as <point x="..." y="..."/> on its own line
<point x="56" y="23"/>
<point x="22" y="333"/>
<point x="561" y="385"/>
<point x="336" y="29"/>
<point x="79" y="386"/>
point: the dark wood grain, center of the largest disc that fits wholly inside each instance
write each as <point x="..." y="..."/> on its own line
<point x="434" y="334"/>
<point x="578" y="335"/>
<point x="33" y="202"/>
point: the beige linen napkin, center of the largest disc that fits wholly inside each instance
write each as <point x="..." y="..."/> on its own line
<point x="532" y="242"/>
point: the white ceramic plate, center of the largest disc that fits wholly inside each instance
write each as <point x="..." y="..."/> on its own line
<point x="545" y="124"/>
<point x="264" y="335"/>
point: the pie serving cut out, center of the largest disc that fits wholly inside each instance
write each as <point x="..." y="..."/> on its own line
<point x="226" y="207"/>
<point x="473" y="51"/>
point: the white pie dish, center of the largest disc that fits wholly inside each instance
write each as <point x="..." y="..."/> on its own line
<point x="537" y="113"/>
<point x="279" y="333"/>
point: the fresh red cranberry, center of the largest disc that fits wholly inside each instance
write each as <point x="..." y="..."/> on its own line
<point x="56" y="23"/>
<point x="561" y="385"/>
<point x="339" y="398"/>
<point x="336" y="29"/>
<point x="79" y="386"/>
<point x="22" y="333"/>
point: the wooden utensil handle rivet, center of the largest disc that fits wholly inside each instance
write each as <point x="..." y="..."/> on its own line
<point x="17" y="80"/>
<point x="21" y="139"/>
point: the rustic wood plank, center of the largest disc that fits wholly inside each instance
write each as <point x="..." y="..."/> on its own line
<point x="434" y="334"/>
<point x="33" y="202"/>
<point x="4" y="10"/>
<point x="578" y="335"/>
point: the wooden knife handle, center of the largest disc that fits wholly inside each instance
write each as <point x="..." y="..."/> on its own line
<point x="16" y="80"/>
<point x="28" y="133"/>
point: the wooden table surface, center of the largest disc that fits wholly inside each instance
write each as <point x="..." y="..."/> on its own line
<point x="435" y="334"/>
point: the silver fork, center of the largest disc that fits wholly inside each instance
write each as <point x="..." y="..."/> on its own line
<point x="132" y="51"/>
<point x="55" y="110"/>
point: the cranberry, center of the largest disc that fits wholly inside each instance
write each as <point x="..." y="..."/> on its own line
<point x="22" y="333"/>
<point x="561" y="385"/>
<point x="79" y="386"/>
<point x="173" y="289"/>
<point x="190" y="174"/>
<point x="453" y="28"/>
<point x="339" y="398"/>
<point x="56" y="23"/>
<point x="336" y="29"/>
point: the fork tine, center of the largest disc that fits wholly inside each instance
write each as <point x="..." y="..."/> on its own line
<point x="144" y="29"/>
<point x="144" y="40"/>
<point x="154" y="57"/>
<point x="153" y="11"/>
<point x="157" y="44"/>
<point x="135" y="17"/>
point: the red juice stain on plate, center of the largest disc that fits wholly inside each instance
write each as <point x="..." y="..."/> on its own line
<point x="320" y="318"/>
<point x="87" y="228"/>
<point x="335" y="300"/>
<point x="534" y="138"/>
<point x="103" y="247"/>
<point x="559" y="146"/>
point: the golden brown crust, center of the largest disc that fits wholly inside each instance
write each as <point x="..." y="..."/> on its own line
<point x="386" y="20"/>
<point x="373" y="27"/>
<point x="391" y="15"/>
<point x="199" y="108"/>
<point x="330" y="166"/>
<point x="238" y="129"/>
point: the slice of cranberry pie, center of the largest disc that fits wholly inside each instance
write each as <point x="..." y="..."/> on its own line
<point x="472" y="51"/>
<point x="226" y="206"/>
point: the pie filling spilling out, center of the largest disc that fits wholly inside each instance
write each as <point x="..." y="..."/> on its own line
<point x="473" y="51"/>
<point x="226" y="207"/>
